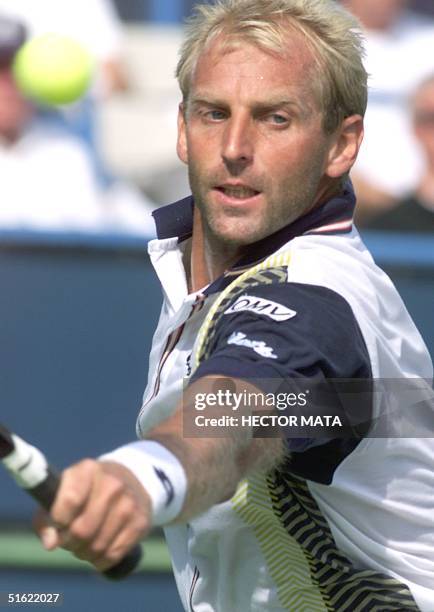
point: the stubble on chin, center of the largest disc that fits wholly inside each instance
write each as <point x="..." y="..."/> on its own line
<point x="225" y="230"/>
<point x="234" y="229"/>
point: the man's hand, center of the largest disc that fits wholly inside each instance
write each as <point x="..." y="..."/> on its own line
<point x="100" y="512"/>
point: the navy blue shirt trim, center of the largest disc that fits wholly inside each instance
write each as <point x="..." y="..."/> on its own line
<point x="176" y="221"/>
<point x="320" y="344"/>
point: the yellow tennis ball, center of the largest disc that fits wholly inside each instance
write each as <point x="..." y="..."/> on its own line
<point x="53" y="69"/>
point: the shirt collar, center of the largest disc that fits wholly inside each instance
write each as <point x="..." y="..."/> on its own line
<point x="335" y="216"/>
<point x="175" y="220"/>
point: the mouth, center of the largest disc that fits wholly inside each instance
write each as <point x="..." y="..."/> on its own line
<point x="239" y="193"/>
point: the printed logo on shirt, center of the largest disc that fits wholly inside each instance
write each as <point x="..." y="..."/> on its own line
<point x="257" y="345"/>
<point x="274" y="310"/>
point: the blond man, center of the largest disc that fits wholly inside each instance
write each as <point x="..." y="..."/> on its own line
<point x="268" y="289"/>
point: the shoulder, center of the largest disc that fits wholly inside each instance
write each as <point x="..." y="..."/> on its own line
<point x="282" y="328"/>
<point x="342" y="264"/>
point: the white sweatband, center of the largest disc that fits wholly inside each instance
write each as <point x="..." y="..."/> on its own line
<point x="160" y="474"/>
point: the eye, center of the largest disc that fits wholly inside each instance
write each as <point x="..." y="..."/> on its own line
<point x="215" y="115"/>
<point x="277" y="119"/>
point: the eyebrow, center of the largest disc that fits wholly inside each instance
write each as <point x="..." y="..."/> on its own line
<point x="266" y="105"/>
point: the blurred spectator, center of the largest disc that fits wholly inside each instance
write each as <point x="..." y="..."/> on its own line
<point x="139" y="128"/>
<point x="400" y="54"/>
<point x="97" y="27"/>
<point x="94" y="24"/>
<point x="415" y="213"/>
<point x="47" y="179"/>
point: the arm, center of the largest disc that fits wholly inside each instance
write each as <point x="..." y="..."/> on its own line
<point x="215" y="466"/>
<point x="103" y="508"/>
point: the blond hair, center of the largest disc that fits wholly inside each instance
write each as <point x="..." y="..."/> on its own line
<point x="332" y="33"/>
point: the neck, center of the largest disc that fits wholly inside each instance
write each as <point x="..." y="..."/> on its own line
<point x="209" y="260"/>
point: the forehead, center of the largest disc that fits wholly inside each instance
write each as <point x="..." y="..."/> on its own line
<point x="243" y="65"/>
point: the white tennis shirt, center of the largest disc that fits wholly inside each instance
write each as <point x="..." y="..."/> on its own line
<point x="358" y="533"/>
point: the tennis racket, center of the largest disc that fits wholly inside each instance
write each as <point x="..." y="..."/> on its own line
<point x="32" y="472"/>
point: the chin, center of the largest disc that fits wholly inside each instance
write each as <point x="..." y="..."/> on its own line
<point x="236" y="237"/>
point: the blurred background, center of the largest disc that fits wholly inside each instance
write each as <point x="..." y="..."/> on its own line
<point x="79" y="301"/>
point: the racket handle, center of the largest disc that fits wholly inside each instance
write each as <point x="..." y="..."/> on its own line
<point x="45" y="494"/>
<point x="33" y="473"/>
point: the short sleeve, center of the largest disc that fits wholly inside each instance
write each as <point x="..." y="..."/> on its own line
<point x="295" y="331"/>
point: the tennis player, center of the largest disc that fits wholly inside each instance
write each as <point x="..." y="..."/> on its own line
<point x="268" y="286"/>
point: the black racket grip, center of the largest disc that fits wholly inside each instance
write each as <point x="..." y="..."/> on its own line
<point x="45" y="494"/>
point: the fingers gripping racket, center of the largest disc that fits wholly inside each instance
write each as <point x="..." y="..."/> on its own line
<point x="32" y="472"/>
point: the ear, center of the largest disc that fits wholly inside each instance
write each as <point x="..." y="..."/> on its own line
<point x="181" y="145"/>
<point x="345" y="147"/>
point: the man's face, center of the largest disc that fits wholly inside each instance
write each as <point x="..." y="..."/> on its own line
<point x="253" y="141"/>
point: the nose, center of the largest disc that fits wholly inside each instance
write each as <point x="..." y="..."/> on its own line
<point x="238" y="143"/>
